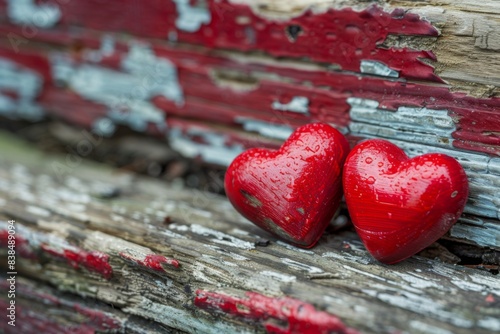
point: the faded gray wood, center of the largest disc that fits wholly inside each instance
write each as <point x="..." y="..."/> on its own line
<point x="90" y="207"/>
<point x="35" y="300"/>
<point x="467" y="58"/>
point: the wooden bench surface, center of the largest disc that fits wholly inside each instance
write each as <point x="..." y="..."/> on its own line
<point x="213" y="78"/>
<point x="103" y="249"/>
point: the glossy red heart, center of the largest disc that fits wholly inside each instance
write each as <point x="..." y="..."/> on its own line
<point x="292" y="192"/>
<point x="400" y="205"/>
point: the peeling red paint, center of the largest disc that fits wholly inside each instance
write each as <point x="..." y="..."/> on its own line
<point x="23" y="247"/>
<point x="206" y="100"/>
<point x="152" y="261"/>
<point x="94" y="261"/>
<point x="278" y="315"/>
<point x="477" y="120"/>
<point x="338" y="36"/>
<point x="343" y="37"/>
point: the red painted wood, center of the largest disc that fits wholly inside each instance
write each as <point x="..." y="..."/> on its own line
<point x="94" y="261"/>
<point x="22" y="245"/>
<point x="343" y="37"/>
<point x="152" y="261"/>
<point x="478" y="120"/>
<point x="297" y="316"/>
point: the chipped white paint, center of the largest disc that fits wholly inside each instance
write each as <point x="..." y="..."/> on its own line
<point x="491" y="284"/>
<point x="361" y="258"/>
<point x="107" y="49"/>
<point x="181" y="228"/>
<point x="169" y="234"/>
<point x="279" y="276"/>
<point x="266" y="129"/>
<point x="364" y="273"/>
<point x="232" y="255"/>
<point x="485" y="234"/>
<point x="66" y="195"/>
<point x="198" y="273"/>
<point x="419" y="282"/>
<point x="295" y="249"/>
<point x="37" y="211"/>
<point x="27" y="85"/>
<point x="219" y="237"/>
<point x="214" y="149"/>
<point x="239" y="231"/>
<point x="189" y="17"/>
<point x="492" y="324"/>
<point x="420" y="125"/>
<point x="117" y="218"/>
<point x="468" y="286"/>
<point x="422" y="327"/>
<point x="301" y="266"/>
<point x="298" y="104"/>
<point x="377" y="68"/>
<point x="420" y="305"/>
<point x="218" y="259"/>
<point x="127" y="94"/>
<point x="27" y="12"/>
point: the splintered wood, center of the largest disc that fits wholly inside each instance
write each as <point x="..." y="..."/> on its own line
<point x="213" y="78"/>
<point x="104" y="250"/>
<point x="170" y="259"/>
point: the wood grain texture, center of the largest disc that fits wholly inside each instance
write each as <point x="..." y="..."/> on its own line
<point x="218" y="252"/>
<point x="215" y="78"/>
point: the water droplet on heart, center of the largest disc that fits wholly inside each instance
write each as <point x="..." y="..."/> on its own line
<point x="426" y="175"/>
<point x="380" y="164"/>
<point x="454" y="194"/>
<point x="368" y="160"/>
<point x="370" y="180"/>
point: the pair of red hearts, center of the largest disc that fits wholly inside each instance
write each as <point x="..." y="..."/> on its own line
<point x="398" y="205"/>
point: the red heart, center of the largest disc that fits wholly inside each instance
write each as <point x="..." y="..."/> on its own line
<point x="400" y="205"/>
<point x="292" y="192"/>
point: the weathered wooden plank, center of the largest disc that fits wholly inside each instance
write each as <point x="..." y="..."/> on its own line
<point x="121" y="249"/>
<point x="43" y="309"/>
<point x="201" y="97"/>
<point x="261" y="25"/>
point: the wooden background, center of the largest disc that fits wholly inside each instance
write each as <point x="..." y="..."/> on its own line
<point x="213" y="78"/>
<point x="210" y="79"/>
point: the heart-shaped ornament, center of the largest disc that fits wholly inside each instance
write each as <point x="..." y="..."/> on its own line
<point x="400" y="205"/>
<point x="292" y="192"/>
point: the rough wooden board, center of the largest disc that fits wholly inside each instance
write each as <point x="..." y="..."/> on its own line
<point x="478" y="226"/>
<point x="233" y="90"/>
<point x="467" y="51"/>
<point x="44" y="309"/>
<point x="218" y="251"/>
